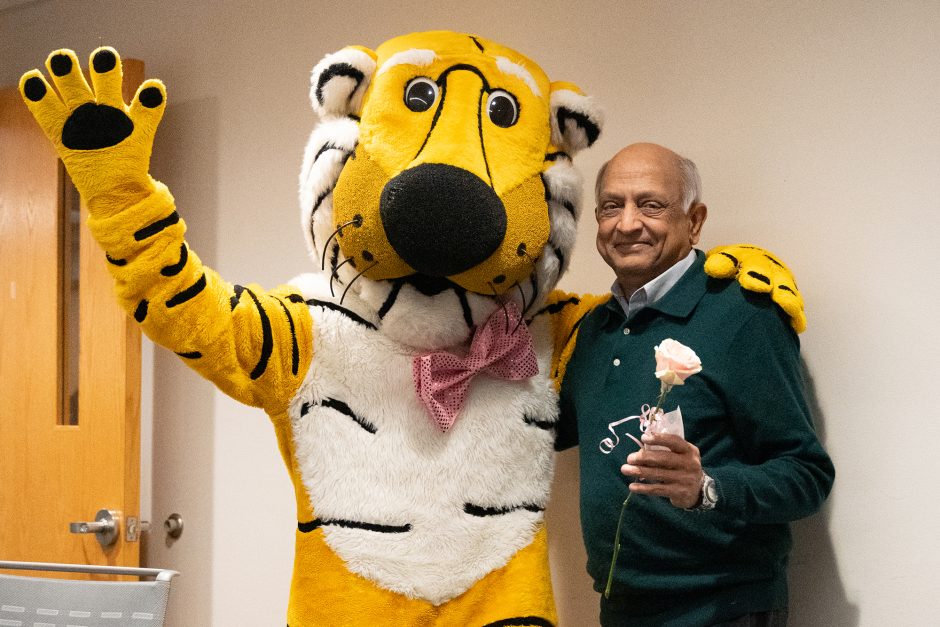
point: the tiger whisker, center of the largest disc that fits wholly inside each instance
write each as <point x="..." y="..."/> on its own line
<point x="501" y="304"/>
<point x="343" y="297"/>
<point x="334" y="275"/>
<point x="522" y="295"/>
<point x="356" y="221"/>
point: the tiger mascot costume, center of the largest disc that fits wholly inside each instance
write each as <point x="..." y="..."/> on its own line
<point x="412" y="381"/>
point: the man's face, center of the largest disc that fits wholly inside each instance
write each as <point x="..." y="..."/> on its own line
<point x="642" y="228"/>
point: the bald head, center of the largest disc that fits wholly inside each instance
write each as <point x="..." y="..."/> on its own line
<point x="648" y="214"/>
<point x="662" y="158"/>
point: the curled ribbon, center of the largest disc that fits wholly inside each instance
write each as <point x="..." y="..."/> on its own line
<point x="645" y="417"/>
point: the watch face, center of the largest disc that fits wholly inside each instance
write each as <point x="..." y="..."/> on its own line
<point x="710" y="492"/>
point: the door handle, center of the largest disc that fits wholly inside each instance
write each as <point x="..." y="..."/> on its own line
<point x="105" y="526"/>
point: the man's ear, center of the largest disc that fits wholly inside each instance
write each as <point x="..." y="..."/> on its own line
<point x="339" y="81"/>
<point x="576" y="120"/>
<point x="697" y="214"/>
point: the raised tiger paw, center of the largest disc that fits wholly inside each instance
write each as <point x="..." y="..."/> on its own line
<point x="757" y="270"/>
<point x="104" y="143"/>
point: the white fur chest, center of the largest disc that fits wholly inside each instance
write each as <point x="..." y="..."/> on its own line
<point x="418" y="511"/>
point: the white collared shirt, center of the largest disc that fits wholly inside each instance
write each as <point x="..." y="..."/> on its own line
<point x="654" y="289"/>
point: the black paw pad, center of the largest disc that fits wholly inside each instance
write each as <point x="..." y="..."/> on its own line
<point x="151" y="97"/>
<point x="35" y="89"/>
<point x="61" y="64"/>
<point x="93" y="126"/>
<point x="104" y="61"/>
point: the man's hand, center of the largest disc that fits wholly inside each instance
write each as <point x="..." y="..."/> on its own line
<point x="675" y="473"/>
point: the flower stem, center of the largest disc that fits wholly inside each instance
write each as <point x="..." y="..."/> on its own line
<point x="663" y="391"/>
<point x="613" y="560"/>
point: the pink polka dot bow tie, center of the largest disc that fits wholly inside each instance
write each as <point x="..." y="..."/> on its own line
<point x="501" y="347"/>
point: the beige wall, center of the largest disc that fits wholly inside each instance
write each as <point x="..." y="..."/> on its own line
<point x="815" y="125"/>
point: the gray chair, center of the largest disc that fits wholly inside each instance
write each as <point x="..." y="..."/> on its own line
<point x="48" y="602"/>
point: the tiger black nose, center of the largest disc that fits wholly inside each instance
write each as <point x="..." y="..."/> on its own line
<point x="442" y="220"/>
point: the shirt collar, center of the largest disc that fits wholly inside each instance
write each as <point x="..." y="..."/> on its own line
<point x="653" y="291"/>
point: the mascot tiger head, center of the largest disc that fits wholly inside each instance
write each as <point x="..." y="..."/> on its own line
<point x="439" y="184"/>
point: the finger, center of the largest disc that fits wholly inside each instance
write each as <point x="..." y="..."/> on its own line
<point x="675" y="443"/>
<point x="650" y="473"/>
<point x="721" y="264"/>
<point x="148" y="105"/>
<point x="68" y="78"/>
<point x="755" y="280"/>
<point x="107" y="76"/>
<point x="654" y="489"/>
<point x="42" y="101"/>
<point x="655" y="459"/>
<point x="791" y="302"/>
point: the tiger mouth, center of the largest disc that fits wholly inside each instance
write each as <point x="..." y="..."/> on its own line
<point x="429" y="285"/>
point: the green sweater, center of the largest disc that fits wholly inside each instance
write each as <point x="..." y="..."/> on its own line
<point x="747" y="413"/>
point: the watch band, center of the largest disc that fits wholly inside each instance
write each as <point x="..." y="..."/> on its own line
<point x="708" y="496"/>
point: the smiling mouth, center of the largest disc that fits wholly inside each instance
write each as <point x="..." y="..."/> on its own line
<point x="627" y="247"/>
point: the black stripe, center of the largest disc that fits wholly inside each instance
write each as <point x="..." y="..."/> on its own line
<point x="477" y="43"/>
<point x="786" y="288"/>
<point x="178" y="266"/>
<point x="115" y="262"/>
<point x="331" y="146"/>
<point x="440" y="106"/>
<point x="190" y="292"/>
<point x="480" y="511"/>
<point x="295" y="351"/>
<point x="192" y="355"/>
<point x="267" y="339"/>
<point x="773" y="260"/>
<point x="546" y="425"/>
<point x="342" y="408"/>
<point x="521" y="621"/>
<point x="553" y="156"/>
<point x="233" y="301"/>
<point x="567" y="204"/>
<point x="733" y="259"/>
<point x="465" y="307"/>
<point x="568" y="339"/>
<point x="334" y="265"/>
<point x="561" y="258"/>
<point x="338" y="69"/>
<point x="313" y="302"/>
<point x="556" y="307"/>
<point x="760" y="277"/>
<point x="353" y="117"/>
<point x="390" y="299"/>
<point x="140" y="314"/>
<point x="486" y="161"/>
<point x="316" y="205"/>
<point x="156" y="227"/>
<point x="307" y="527"/>
<point x="295" y="298"/>
<point x="590" y="129"/>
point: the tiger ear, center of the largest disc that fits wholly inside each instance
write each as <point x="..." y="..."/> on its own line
<point x="339" y="81"/>
<point x="576" y="120"/>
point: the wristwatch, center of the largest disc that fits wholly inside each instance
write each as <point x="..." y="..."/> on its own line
<point x="709" y="496"/>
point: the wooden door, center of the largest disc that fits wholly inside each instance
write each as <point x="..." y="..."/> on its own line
<point x="69" y="386"/>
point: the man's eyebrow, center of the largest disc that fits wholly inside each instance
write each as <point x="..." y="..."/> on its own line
<point x="514" y="69"/>
<point x="420" y="57"/>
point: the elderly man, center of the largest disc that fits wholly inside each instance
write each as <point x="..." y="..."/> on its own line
<point x="705" y="537"/>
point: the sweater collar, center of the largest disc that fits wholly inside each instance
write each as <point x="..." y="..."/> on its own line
<point x="681" y="300"/>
